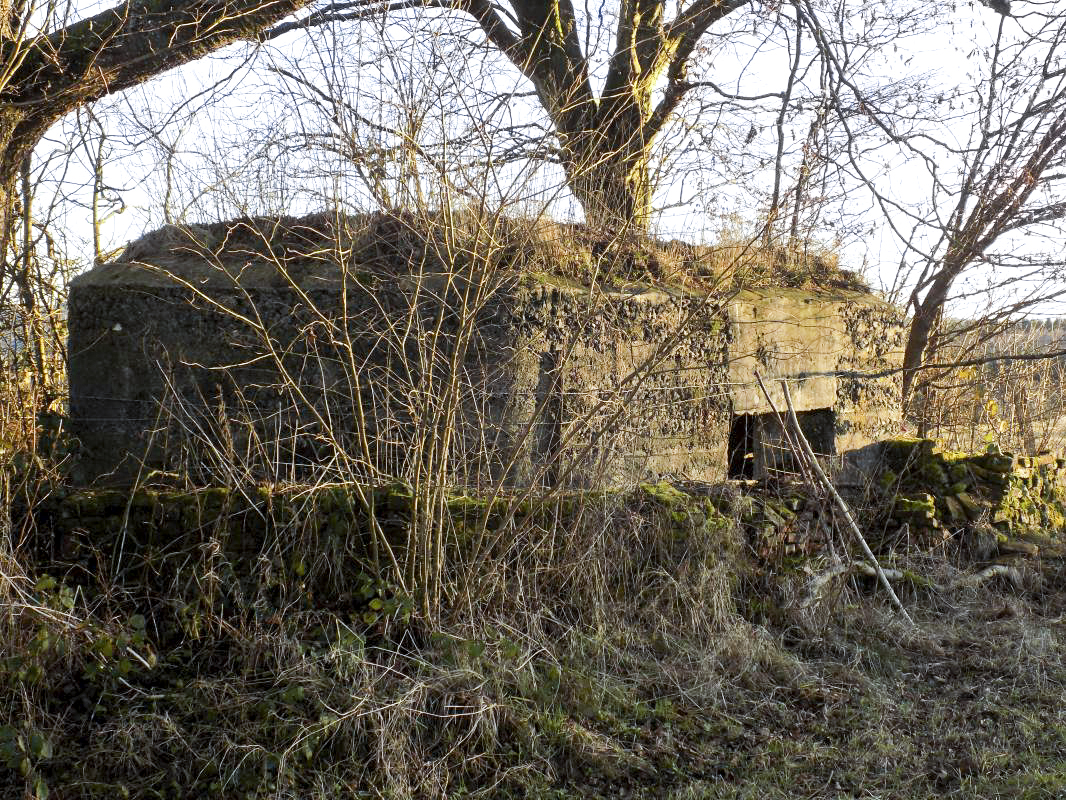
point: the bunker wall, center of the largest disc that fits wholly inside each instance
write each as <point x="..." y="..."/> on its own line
<point x="548" y="383"/>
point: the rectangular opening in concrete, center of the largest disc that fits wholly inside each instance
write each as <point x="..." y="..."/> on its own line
<point x="758" y="448"/>
<point x="819" y="426"/>
<point x="742" y="448"/>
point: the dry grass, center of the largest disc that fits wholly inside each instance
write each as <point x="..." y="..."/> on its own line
<point x="382" y="243"/>
<point x="642" y="655"/>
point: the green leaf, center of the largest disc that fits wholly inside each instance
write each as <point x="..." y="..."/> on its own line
<point x="105" y="646"/>
<point x="45" y="583"/>
<point x="40" y="746"/>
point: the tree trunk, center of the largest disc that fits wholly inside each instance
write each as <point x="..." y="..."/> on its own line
<point x="15" y="146"/>
<point x="11" y="155"/>
<point x="607" y="168"/>
<point x="18" y="136"/>
<point x="926" y="313"/>
<point x="917" y="338"/>
<point x="614" y="193"/>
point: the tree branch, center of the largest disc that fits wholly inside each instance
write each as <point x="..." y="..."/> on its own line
<point x="1036" y="216"/>
<point x="550" y="55"/>
<point x="348" y="12"/>
<point x="127" y="44"/>
<point x="682" y="36"/>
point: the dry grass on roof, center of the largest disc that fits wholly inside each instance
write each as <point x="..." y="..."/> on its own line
<point x="397" y="243"/>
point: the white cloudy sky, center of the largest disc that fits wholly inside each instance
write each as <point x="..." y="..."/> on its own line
<point x="223" y="136"/>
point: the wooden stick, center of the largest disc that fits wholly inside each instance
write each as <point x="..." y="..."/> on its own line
<point x="818" y="582"/>
<point x="1007" y="571"/>
<point x="806" y="454"/>
<point x="841" y="504"/>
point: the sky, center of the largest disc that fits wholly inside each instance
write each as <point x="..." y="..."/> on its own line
<point x="228" y="135"/>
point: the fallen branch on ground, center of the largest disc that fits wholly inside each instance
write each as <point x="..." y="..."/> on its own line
<point x="839" y="569"/>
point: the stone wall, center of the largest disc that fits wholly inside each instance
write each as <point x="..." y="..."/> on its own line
<point x="989" y="507"/>
<point x="1003" y="503"/>
<point x="203" y="355"/>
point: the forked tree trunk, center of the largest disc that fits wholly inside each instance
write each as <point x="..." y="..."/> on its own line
<point x="607" y="165"/>
<point x="605" y="141"/>
<point x="614" y="193"/>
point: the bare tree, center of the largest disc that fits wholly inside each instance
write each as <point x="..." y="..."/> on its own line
<point x="983" y="149"/>
<point x="53" y="67"/>
<point x="604" y="135"/>
<point x="1011" y="185"/>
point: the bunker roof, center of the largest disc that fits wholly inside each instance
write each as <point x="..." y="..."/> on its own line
<point x="312" y="251"/>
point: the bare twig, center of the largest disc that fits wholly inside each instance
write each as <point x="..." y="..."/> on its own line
<point x="805" y="454"/>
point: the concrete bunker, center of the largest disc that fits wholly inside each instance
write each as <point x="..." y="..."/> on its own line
<point x="273" y="348"/>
